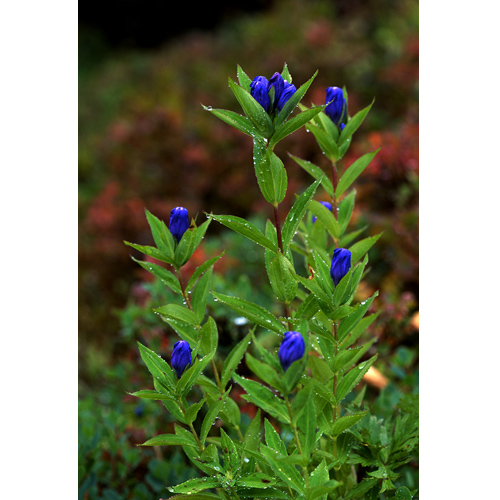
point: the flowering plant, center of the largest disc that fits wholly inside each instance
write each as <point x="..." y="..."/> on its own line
<point x="310" y="431"/>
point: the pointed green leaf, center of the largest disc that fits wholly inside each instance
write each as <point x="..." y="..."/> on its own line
<point x="169" y="440"/>
<point x="211" y="416"/>
<point x="296" y="213"/>
<point x="233" y="359"/>
<point x="255" y="313"/>
<point x="315" y="172"/>
<point x="352" y="378"/>
<point x="343" y="423"/>
<point x="253" y="110"/>
<point x="242" y="123"/>
<point x="353" y="171"/>
<point x="245" y="228"/>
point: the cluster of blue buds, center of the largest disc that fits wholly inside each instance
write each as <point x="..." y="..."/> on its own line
<point x="291" y="349"/>
<point x="341" y="263"/>
<point x="325" y="204"/>
<point x="260" y="90"/>
<point x="336" y="110"/>
<point x="181" y="357"/>
<point x="179" y="222"/>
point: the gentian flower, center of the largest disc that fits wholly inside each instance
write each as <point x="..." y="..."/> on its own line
<point x="325" y="204"/>
<point x="288" y="91"/>
<point x="291" y="349"/>
<point x="341" y="263"/>
<point x="181" y="357"/>
<point x="336" y="110"/>
<point x="179" y="222"/>
<point x="260" y="89"/>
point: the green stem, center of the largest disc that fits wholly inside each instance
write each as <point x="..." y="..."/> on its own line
<point x="297" y="440"/>
<point x="336" y="409"/>
<point x="193" y="430"/>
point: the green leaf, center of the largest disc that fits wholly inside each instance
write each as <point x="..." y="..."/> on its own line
<point x="282" y="278"/>
<point x="189" y="243"/>
<point x="353" y="124"/>
<point x="162" y="274"/>
<point x="256" y="480"/>
<point x="345" y="210"/>
<point x="287" y="473"/>
<point x="178" y="312"/>
<point x="294" y="373"/>
<point x="242" y="123"/>
<point x="209" y="336"/>
<point x="353" y="171"/>
<point x="350" y="321"/>
<point x="402" y="493"/>
<point x="157" y="366"/>
<point x="326" y="217"/>
<point x="199" y="298"/>
<point x="273" y="439"/>
<point x="196" y="485"/>
<point x="343" y="423"/>
<point x="291" y="104"/>
<point x="352" y="378"/>
<point x="294" y="124"/>
<point x="343" y="359"/>
<point x="231" y="456"/>
<point x="211" y="415"/>
<point x="253" y="433"/>
<point x="233" y="359"/>
<point x="253" y="312"/>
<point x="265" y="372"/>
<point x="186" y="331"/>
<point x="190" y="375"/>
<point x="202" y="269"/>
<point x="149" y="394"/>
<point x="296" y="214"/>
<point x="315" y="172"/>
<point x="263" y="397"/>
<point x="192" y="411"/>
<point x="152" y="252"/>
<point x="245" y="228"/>
<point x="168" y="440"/>
<point x="271" y="177"/>
<point x="243" y="79"/>
<point x="307" y="424"/>
<point x="325" y="141"/>
<point x="361" y="247"/>
<point x="254" y="111"/>
<point x="161" y="235"/>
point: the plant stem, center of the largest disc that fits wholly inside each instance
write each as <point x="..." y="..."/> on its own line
<point x="336" y="409"/>
<point x="297" y="440"/>
<point x="185" y="296"/>
<point x="277" y="224"/>
<point x="334" y="184"/>
<point x="278" y="228"/>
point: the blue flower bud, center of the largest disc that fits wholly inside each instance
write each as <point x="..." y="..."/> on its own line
<point x="325" y="204"/>
<point x="278" y="83"/>
<point x="341" y="263"/>
<point x="336" y="110"/>
<point x="292" y="348"/>
<point x="288" y="91"/>
<point x="259" y="91"/>
<point x="181" y="357"/>
<point x="179" y="222"/>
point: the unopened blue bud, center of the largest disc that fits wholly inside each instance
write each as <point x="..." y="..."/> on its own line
<point x="179" y="222"/>
<point x="259" y="91"/>
<point x="341" y="263"/>
<point x="325" y="204"/>
<point x="291" y="349"/>
<point x="288" y="91"/>
<point x="181" y="357"/>
<point x="278" y="83"/>
<point x="336" y="110"/>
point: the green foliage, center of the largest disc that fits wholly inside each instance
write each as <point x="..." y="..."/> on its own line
<point x="320" y="432"/>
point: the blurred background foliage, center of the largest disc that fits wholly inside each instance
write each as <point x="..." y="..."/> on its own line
<point x="145" y="142"/>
